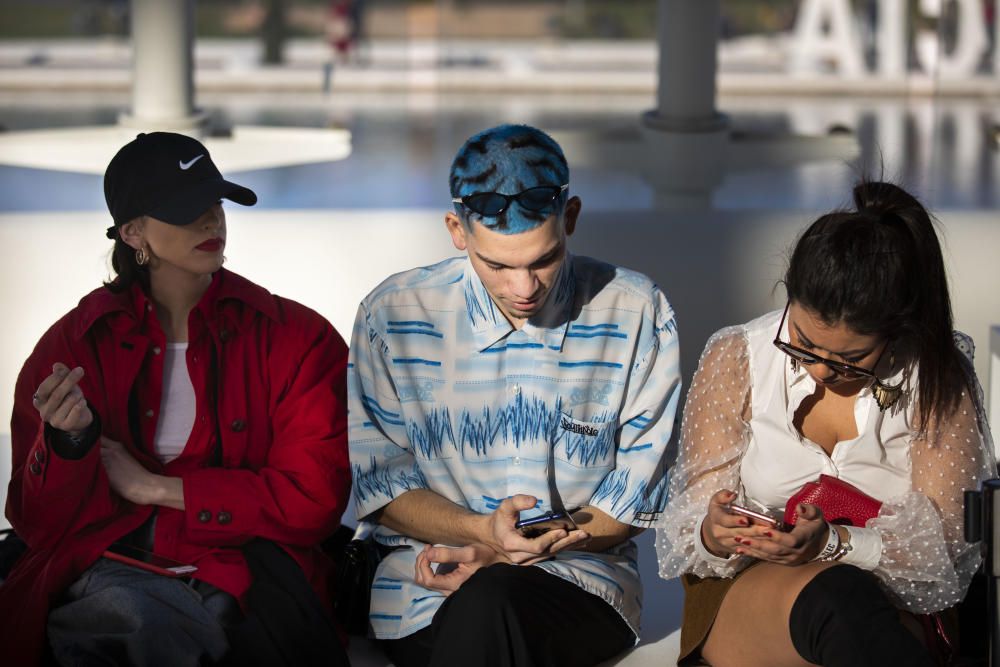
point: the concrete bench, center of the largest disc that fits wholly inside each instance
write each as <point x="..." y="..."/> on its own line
<point x="661" y="618"/>
<point x="658" y="653"/>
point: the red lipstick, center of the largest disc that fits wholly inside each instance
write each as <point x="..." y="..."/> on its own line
<point x="210" y="245"/>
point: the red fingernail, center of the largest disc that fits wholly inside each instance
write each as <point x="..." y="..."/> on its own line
<point x="745" y="522"/>
<point x="768" y="533"/>
<point x="737" y="540"/>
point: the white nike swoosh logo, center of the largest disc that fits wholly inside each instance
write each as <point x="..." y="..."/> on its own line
<point x="187" y="165"/>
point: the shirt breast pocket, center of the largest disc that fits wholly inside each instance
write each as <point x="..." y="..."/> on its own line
<point x="585" y="445"/>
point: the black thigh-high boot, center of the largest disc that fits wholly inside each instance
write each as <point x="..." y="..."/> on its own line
<point x="843" y="619"/>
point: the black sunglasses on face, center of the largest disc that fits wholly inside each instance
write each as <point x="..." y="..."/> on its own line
<point x="805" y="357"/>
<point x="492" y="204"/>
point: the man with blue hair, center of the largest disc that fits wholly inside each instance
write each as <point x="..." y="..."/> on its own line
<point x="506" y="384"/>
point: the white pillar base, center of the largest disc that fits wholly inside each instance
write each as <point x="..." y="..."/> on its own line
<point x="195" y="124"/>
<point x="89" y="149"/>
<point x="684" y="160"/>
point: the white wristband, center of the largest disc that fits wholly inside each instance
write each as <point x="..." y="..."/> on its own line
<point x="866" y="548"/>
<point x="832" y="543"/>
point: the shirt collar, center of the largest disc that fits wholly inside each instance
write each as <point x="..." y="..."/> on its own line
<point x="548" y="326"/>
<point x="226" y="287"/>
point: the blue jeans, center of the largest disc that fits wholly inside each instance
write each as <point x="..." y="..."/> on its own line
<point x="118" y="614"/>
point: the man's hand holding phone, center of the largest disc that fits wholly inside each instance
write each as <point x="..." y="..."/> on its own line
<point x="505" y="537"/>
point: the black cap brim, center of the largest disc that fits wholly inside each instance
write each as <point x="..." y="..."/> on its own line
<point x="188" y="206"/>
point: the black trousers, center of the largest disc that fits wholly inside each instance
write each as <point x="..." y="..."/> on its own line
<point x="506" y="616"/>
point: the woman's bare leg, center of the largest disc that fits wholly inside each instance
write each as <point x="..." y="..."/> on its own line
<point x="751" y="629"/>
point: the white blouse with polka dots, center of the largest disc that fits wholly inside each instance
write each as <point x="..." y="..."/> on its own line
<point x="738" y="433"/>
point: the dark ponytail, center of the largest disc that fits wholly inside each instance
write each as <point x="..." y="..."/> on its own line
<point x="127" y="270"/>
<point x="879" y="270"/>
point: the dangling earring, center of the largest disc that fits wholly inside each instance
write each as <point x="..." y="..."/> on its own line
<point x="141" y="256"/>
<point x="886" y="395"/>
<point x="794" y="364"/>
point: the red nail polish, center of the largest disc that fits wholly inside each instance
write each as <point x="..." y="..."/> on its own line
<point x="768" y="534"/>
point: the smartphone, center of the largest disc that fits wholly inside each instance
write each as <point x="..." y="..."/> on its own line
<point x="543" y="523"/>
<point x="757" y="517"/>
<point x="147" y="560"/>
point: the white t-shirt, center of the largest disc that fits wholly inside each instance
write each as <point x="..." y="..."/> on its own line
<point x="177" y="405"/>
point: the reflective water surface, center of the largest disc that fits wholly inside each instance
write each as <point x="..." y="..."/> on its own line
<point x="944" y="148"/>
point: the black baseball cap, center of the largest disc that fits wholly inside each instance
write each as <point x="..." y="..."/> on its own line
<point x="168" y="176"/>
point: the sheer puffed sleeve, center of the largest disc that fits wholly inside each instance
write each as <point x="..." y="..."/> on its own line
<point x="926" y="562"/>
<point x="714" y="435"/>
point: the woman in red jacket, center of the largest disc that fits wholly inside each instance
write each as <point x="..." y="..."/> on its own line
<point x="181" y="409"/>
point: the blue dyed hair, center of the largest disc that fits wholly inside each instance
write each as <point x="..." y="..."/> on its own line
<point x="508" y="159"/>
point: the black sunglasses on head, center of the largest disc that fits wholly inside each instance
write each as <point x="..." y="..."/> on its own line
<point x="492" y="204"/>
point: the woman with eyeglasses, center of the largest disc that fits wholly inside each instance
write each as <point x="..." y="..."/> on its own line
<point x="859" y="378"/>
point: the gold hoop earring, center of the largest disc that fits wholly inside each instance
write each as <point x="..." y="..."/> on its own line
<point x="141" y="256"/>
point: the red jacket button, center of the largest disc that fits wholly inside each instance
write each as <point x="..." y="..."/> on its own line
<point x="39" y="456"/>
<point x="238" y="425"/>
<point x="225" y="517"/>
<point x="35" y="468"/>
<point x="204" y="516"/>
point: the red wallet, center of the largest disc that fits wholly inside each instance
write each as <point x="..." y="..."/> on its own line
<point x="841" y="502"/>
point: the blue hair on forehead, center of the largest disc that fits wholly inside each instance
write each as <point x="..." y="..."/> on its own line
<point x="508" y="159"/>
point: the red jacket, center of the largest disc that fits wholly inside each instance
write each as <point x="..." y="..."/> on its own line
<point x="282" y="420"/>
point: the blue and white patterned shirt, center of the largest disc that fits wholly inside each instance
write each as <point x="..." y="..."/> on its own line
<point x="575" y="408"/>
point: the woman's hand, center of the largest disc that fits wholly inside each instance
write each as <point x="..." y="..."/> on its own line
<point x="134" y="483"/>
<point x="797" y="546"/>
<point x="60" y="401"/>
<point x="126" y="475"/>
<point x="721" y="528"/>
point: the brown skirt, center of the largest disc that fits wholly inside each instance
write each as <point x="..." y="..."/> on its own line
<point x="702" y="600"/>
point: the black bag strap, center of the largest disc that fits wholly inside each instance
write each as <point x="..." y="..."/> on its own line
<point x="285" y="623"/>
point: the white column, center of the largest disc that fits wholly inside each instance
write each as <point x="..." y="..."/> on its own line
<point x="688" y="34"/>
<point x="685" y="138"/>
<point x="891" y="40"/>
<point x="163" y="66"/>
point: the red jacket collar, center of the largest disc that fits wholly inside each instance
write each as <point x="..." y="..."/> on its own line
<point x="226" y="286"/>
